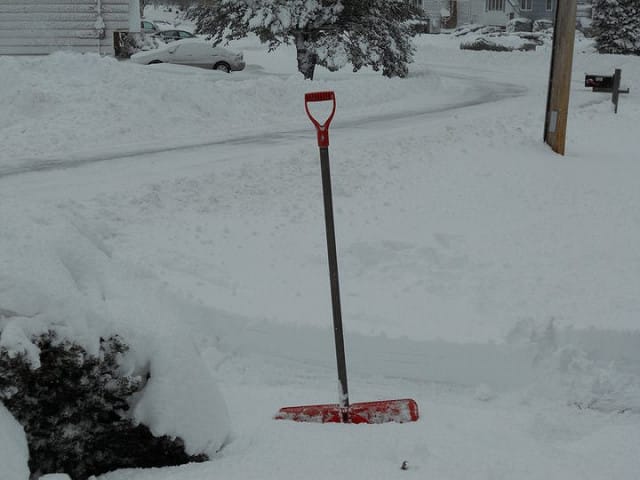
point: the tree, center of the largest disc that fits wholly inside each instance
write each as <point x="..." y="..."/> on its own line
<point x="616" y="26"/>
<point x="330" y="33"/>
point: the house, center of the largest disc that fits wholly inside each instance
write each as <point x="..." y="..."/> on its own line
<point x="499" y="12"/>
<point x="39" y="27"/>
<point x="455" y="13"/>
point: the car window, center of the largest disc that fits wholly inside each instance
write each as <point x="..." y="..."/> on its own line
<point x="185" y="35"/>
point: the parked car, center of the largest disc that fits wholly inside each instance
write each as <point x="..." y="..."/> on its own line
<point x="173" y="35"/>
<point x="194" y="52"/>
<point x="148" y="27"/>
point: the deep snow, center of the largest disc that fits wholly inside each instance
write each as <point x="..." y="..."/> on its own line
<point x="488" y="278"/>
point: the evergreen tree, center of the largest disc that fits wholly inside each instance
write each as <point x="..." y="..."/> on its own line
<point x="325" y="32"/>
<point x="616" y="26"/>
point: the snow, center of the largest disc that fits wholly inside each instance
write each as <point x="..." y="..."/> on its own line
<point x="13" y="447"/>
<point x="73" y="283"/>
<point x="481" y="274"/>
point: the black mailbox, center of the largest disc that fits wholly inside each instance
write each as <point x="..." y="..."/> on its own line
<point x="601" y="82"/>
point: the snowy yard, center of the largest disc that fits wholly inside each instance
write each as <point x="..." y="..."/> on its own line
<point x="493" y="281"/>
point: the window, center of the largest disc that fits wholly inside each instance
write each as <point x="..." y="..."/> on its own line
<point x="493" y="5"/>
<point x="526" y="4"/>
<point x="549" y="5"/>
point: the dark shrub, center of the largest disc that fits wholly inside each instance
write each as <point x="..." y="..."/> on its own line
<point x="73" y="409"/>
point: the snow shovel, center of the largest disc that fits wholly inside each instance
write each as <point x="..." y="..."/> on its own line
<point x="403" y="410"/>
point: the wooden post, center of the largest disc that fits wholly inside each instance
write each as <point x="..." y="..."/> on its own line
<point x="564" y="30"/>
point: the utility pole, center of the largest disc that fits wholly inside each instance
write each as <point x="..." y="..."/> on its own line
<point x="564" y="32"/>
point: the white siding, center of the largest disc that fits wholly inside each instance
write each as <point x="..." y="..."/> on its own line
<point x="584" y="9"/>
<point x="492" y="17"/>
<point x="32" y="27"/>
<point x="432" y="8"/>
<point x="465" y="12"/>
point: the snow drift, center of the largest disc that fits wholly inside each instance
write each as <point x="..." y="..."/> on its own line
<point x="60" y="276"/>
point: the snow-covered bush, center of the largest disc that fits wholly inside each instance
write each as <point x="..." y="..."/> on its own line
<point x="130" y="43"/>
<point x="60" y="276"/>
<point x="476" y="28"/>
<point x="542" y="25"/>
<point x="519" y="24"/>
<point x="616" y="26"/>
<point x="73" y="408"/>
<point x="498" y="43"/>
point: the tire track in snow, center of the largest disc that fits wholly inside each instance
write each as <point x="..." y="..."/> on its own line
<point x="487" y="92"/>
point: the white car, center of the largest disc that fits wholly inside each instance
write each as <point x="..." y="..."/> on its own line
<point x="194" y="52"/>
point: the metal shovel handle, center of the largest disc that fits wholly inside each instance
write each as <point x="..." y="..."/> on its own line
<point x="323" y="142"/>
<point x="322" y="129"/>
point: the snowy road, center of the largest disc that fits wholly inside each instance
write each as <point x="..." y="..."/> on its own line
<point x="477" y="92"/>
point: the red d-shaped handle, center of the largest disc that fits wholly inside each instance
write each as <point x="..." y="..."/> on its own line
<point x="321" y="128"/>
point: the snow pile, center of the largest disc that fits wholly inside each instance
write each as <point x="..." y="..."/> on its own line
<point x="59" y="275"/>
<point x="589" y="369"/>
<point x="120" y="107"/>
<point x="14" y="454"/>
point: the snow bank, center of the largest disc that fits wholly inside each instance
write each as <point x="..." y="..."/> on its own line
<point x="60" y="275"/>
<point x="79" y="101"/>
<point x="14" y="453"/>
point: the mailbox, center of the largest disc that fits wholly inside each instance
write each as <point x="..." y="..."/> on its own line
<point x="600" y="82"/>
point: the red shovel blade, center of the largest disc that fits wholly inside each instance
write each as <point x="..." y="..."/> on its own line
<point x="383" y="411"/>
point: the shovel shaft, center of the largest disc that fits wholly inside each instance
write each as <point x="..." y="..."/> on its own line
<point x="335" y="284"/>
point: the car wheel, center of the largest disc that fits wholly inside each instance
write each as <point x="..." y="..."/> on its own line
<point x="222" y="66"/>
<point x="154" y="62"/>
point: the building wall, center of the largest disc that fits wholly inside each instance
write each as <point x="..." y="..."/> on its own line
<point x="493" y="17"/>
<point x="474" y="11"/>
<point x="467" y="12"/>
<point x="36" y="27"/>
<point x="538" y="11"/>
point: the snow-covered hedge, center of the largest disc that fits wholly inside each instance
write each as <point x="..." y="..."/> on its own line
<point x="504" y="43"/>
<point x="120" y="355"/>
<point x="519" y="24"/>
<point x="73" y="407"/>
